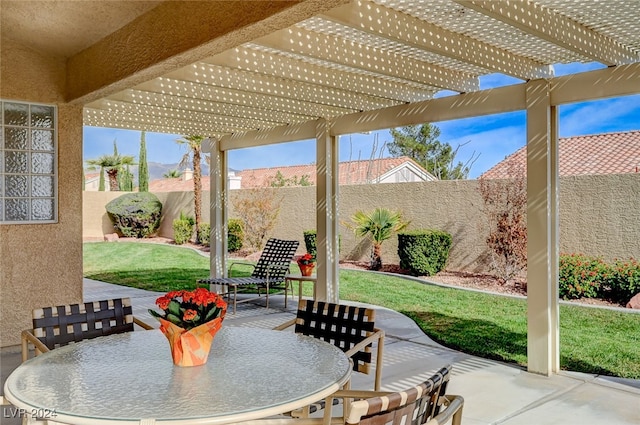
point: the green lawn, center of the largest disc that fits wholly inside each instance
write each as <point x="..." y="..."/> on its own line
<point x="490" y="326"/>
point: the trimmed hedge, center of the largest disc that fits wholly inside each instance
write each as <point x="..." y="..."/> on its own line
<point x="183" y="229"/>
<point x="204" y="234"/>
<point x="235" y="235"/>
<point x="310" y="240"/>
<point x="423" y="252"/>
<point x="135" y="215"/>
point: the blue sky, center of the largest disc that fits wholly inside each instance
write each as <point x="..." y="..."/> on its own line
<point x="492" y="137"/>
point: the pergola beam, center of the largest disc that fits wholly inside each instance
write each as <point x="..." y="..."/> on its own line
<point x="256" y="59"/>
<point x="543" y="23"/>
<point x="317" y="46"/>
<point x="410" y="31"/>
<point x="250" y="83"/>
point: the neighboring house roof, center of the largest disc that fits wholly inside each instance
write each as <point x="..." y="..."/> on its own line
<point x="176" y="185"/>
<point x="352" y="172"/>
<point x="608" y="153"/>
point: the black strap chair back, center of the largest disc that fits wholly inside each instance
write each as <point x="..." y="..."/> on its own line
<point x="341" y="325"/>
<point x="60" y="325"/>
<point x="275" y="260"/>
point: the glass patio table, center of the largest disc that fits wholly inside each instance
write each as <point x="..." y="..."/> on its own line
<point x="130" y="379"/>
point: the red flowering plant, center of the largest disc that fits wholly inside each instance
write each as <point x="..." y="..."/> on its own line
<point x="189" y="309"/>
<point x="306" y="259"/>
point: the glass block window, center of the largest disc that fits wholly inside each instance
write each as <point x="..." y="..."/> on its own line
<point x="28" y="163"/>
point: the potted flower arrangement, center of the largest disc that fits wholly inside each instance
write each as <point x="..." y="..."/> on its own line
<point x="306" y="263"/>
<point x="190" y="320"/>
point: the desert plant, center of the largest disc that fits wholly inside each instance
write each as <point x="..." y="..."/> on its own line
<point x="505" y="208"/>
<point x="183" y="228"/>
<point x="258" y="209"/>
<point x="235" y="235"/>
<point x="424" y="252"/>
<point x="378" y="226"/>
<point x="135" y="214"/>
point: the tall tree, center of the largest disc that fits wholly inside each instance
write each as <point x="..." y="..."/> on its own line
<point x="193" y="143"/>
<point x="101" y="182"/>
<point x="143" y="167"/>
<point x="420" y="143"/>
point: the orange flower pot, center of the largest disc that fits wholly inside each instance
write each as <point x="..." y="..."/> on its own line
<point x="306" y="269"/>
<point x="190" y="348"/>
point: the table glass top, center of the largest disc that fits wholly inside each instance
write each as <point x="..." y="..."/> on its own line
<point x="131" y="376"/>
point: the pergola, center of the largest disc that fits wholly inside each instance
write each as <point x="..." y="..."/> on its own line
<point x="359" y="66"/>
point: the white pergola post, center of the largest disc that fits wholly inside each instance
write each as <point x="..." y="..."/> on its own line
<point x="218" y="209"/>
<point x="542" y="230"/>
<point x="327" y="287"/>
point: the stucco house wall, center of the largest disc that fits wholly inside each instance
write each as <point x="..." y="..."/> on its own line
<point x="599" y="215"/>
<point x="28" y="276"/>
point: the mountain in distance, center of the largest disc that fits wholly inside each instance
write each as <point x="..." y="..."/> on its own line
<point x="158" y="170"/>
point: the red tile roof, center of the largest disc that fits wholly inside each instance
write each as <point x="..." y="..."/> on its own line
<point x="608" y="153"/>
<point x="176" y="185"/>
<point x="351" y="172"/>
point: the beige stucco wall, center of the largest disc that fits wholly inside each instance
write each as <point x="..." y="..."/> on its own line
<point x="599" y="215"/>
<point x="29" y="277"/>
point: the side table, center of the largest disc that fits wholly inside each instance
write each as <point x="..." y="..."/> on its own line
<point x="290" y="278"/>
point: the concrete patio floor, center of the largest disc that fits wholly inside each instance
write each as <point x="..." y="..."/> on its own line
<point x="494" y="393"/>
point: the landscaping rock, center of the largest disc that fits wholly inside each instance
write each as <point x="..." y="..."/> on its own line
<point x="634" y="302"/>
<point x="111" y="237"/>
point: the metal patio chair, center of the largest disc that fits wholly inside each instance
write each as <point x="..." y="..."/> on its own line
<point x="60" y="325"/>
<point x="268" y="273"/>
<point x="418" y="405"/>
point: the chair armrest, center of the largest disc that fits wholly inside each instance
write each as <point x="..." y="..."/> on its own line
<point x="28" y="337"/>
<point x="378" y="334"/>
<point x="241" y="263"/>
<point x="285" y="325"/>
<point x="454" y="405"/>
<point x="142" y="324"/>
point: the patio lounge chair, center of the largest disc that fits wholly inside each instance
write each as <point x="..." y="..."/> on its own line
<point x="418" y="405"/>
<point x="350" y="328"/>
<point x="268" y="273"/>
<point x="57" y="326"/>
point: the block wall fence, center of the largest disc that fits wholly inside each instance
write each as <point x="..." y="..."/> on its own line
<point x="599" y="216"/>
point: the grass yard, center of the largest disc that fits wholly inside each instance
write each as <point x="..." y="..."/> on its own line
<point x="491" y="326"/>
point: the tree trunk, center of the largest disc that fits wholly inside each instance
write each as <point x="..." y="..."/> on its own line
<point x="113" y="179"/>
<point x="376" y="259"/>
<point x="197" y="189"/>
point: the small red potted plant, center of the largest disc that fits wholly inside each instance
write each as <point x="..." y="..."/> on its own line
<point x="306" y="263"/>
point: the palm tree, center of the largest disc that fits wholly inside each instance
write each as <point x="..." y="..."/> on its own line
<point x="172" y="174"/>
<point x="112" y="164"/>
<point x="194" y="157"/>
<point x="378" y="226"/>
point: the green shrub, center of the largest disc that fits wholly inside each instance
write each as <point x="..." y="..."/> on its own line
<point x="183" y="229"/>
<point x="235" y="235"/>
<point x="310" y="239"/>
<point x="136" y="214"/>
<point x="623" y="281"/>
<point x="204" y="233"/>
<point x="424" y="252"/>
<point x="581" y="276"/>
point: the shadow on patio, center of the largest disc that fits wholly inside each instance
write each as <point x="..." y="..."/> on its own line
<point x="494" y="393"/>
